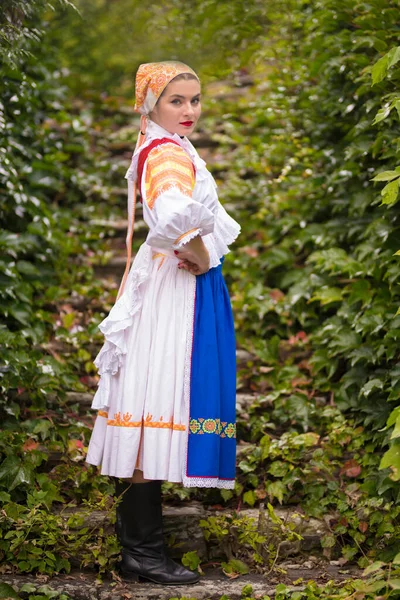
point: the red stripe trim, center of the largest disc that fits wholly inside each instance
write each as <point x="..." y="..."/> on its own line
<point x="191" y="364"/>
<point x="210" y="477"/>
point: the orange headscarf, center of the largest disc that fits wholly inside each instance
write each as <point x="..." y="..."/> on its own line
<point x="151" y="81"/>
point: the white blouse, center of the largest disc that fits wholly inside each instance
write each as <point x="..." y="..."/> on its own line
<point x="178" y="204"/>
<point x="179" y="214"/>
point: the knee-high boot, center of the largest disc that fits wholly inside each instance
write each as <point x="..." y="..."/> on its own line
<point x="140" y="532"/>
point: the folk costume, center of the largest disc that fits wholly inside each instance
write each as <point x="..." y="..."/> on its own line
<point x="166" y="396"/>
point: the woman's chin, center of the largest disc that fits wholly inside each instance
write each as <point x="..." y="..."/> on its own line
<point x="186" y="130"/>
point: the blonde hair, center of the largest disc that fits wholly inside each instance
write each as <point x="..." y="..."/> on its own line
<point x="180" y="77"/>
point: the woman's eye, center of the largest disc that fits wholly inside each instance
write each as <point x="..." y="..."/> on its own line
<point x="176" y="101"/>
<point x="196" y="101"/>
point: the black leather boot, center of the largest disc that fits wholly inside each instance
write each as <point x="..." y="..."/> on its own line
<point x="140" y="532"/>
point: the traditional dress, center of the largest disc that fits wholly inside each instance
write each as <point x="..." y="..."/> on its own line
<point x="166" y="396"/>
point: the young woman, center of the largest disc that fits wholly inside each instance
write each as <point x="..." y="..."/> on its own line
<point x="166" y="396"/>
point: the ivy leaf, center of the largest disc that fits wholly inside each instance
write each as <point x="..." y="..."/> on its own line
<point x="381" y="67"/>
<point x="382" y="114"/>
<point x="393" y="56"/>
<point x="396" y="560"/>
<point x="393" y="417"/>
<point x="191" y="560"/>
<point x="307" y="440"/>
<point x="387" y="175"/>
<point x="278" y="468"/>
<point x="235" y="567"/>
<point x="327" y="295"/>
<point x="16" y="472"/>
<point x="372" y="384"/>
<point x="22" y="313"/>
<point x="246" y="467"/>
<point x="391" y="460"/>
<point x="396" y="430"/>
<point x="276" y="489"/>
<point x="359" y="291"/>
<point x="375" y="566"/>
<point x="328" y="541"/>
<point x="351" y="468"/>
<point x="250" y="498"/>
<point x="226" y="494"/>
<point x="6" y="591"/>
<point x="394" y="584"/>
<point x="390" y="192"/>
<point x="397" y="107"/>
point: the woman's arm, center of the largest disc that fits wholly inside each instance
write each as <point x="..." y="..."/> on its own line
<point x="194" y="257"/>
<point x="175" y="219"/>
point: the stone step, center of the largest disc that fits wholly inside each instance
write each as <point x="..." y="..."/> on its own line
<point x="243" y="400"/>
<point x="119" y="227"/>
<point x="183" y="532"/>
<point x="84" y="401"/>
<point x="113" y="268"/>
<point x="213" y="584"/>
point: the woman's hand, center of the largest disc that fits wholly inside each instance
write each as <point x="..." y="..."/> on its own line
<point x="192" y="267"/>
<point x="194" y="257"/>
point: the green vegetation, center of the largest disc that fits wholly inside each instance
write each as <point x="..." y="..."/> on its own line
<point x="308" y="162"/>
<point x="321" y="242"/>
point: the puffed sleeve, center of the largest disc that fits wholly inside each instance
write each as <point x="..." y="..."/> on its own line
<point x="170" y="211"/>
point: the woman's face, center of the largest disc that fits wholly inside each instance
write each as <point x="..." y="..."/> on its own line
<point x="179" y="107"/>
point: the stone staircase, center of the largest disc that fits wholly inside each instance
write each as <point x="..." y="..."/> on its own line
<point x="213" y="585"/>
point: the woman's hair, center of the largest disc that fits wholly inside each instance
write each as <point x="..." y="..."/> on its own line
<point x="184" y="76"/>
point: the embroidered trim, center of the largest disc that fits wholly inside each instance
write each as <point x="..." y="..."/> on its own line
<point x="181" y="237"/>
<point x="159" y="255"/>
<point x="125" y="421"/>
<point x="190" y="312"/>
<point x="102" y="413"/>
<point x="168" y="166"/>
<point x="207" y="482"/>
<point x="221" y="428"/>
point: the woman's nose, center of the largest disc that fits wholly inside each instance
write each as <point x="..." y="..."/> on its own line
<point x="189" y="110"/>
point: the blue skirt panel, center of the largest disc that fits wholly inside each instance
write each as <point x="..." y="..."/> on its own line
<point x="212" y="422"/>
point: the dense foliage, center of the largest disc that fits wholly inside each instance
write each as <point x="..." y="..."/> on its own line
<point x="316" y="293"/>
<point x="103" y="45"/>
<point x="323" y="254"/>
<point x="49" y="175"/>
<point x="308" y="162"/>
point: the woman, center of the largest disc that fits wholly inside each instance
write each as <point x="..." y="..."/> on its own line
<point x="166" y="396"/>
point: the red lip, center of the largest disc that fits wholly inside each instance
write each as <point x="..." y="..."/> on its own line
<point x="187" y="123"/>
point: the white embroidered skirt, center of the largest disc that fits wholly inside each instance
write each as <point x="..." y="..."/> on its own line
<point x="145" y="424"/>
<point x="166" y="398"/>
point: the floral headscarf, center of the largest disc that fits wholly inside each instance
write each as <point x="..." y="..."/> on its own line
<point x="152" y="79"/>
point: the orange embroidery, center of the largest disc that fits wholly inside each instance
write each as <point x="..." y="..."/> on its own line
<point x="184" y="234"/>
<point x="125" y="421"/>
<point x="159" y="255"/>
<point x="161" y="262"/>
<point x="102" y="413"/>
<point x="168" y="166"/>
